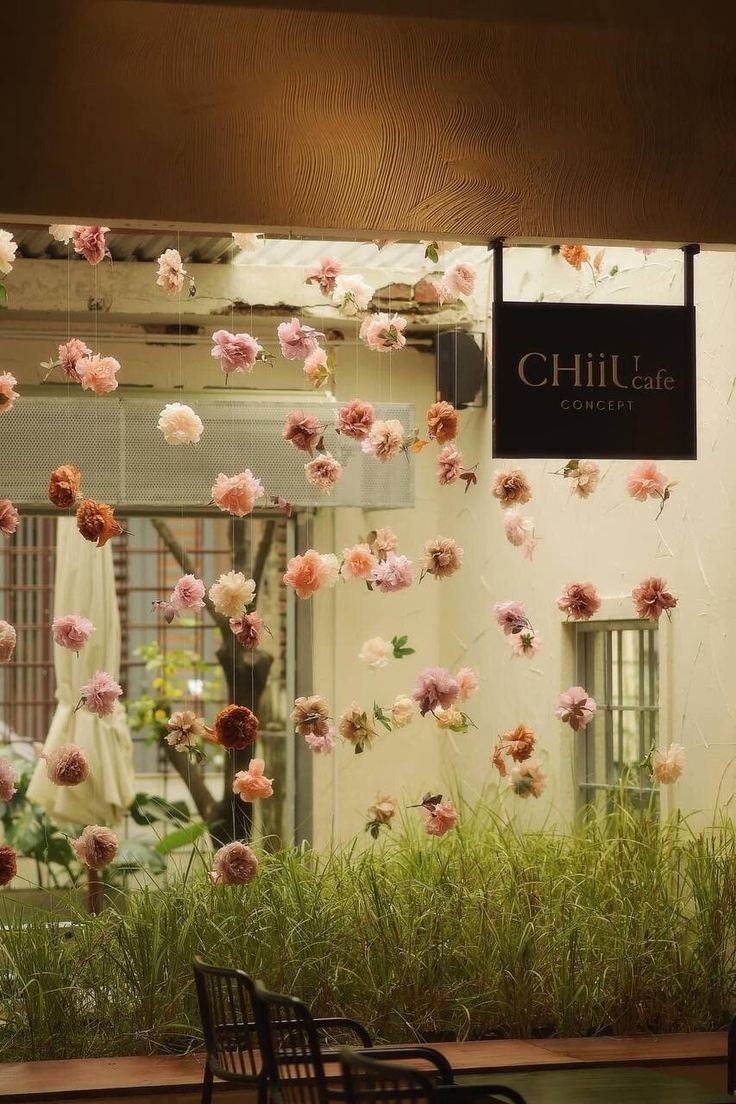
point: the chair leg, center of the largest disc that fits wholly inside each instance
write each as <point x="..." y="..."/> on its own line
<point x="207" y="1086"/>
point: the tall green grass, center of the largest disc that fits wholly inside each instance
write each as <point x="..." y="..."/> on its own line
<point x="623" y="924"/>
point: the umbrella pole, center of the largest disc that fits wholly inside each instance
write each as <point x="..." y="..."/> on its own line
<point x="94" y="892"/>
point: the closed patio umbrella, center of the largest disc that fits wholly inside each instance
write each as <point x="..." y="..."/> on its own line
<point x="85" y="585"/>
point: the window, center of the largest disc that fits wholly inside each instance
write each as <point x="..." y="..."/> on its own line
<point x="617" y="663"/>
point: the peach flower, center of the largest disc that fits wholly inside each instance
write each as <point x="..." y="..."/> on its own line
<point x="579" y="601"/>
<point x="71" y="631"/>
<point x="527" y="779"/>
<point x="525" y="643"/>
<point x="8" y="396"/>
<point x="442" y="557"/>
<point x="302" y="430"/>
<point x="324" y="274"/>
<point x="237" y="494"/>
<point x="8" y="638"/>
<point x="439" y="819"/>
<point x="376" y="652"/>
<point x="435" y="686"/>
<point x="8" y="778"/>
<point x="385" y="439"/>
<point x="70" y="354"/>
<point x="402" y="711"/>
<point x="442" y="422"/>
<point x="98" y="374"/>
<point x="183" y="729"/>
<point x="251" y="783"/>
<point x="308" y="573"/>
<point x="323" y="472"/>
<point x="382" y="541"/>
<point x="355" y="419"/>
<point x="64" y="484"/>
<point x="316" y="367"/>
<point x="575" y="255"/>
<point x="247" y="628"/>
<point x="667" y="766"/>
<point x="352" y="294"/>
<point x="511" y="488"/>
<point x="180" y="425"/>
<point x="393" y="573"/>
<point x="8" y="862"/>
<point x="188" y="594"/>
<point x="9" y="517"/>
<point x="297" y="340"/>
<point x="467" y="680"/>
<point x="66" y="765"/>
<point x="100" y="694"/>
<point x="358" y="562"/>
<point x="652" y="598"/>
<point x="576" y="708"/>
<point x="234" y="864"/>
<point x="459" y="279"/>
<point x="449" y="465"/>
<point x="235" y="352"/>
<point x="383" y="810"/>
<point x="232" y="593"/>
<point x="383" y="332"/>
<point x="96" y="847"/>
<point x="645" y="480"/>
<point x="89" y="242"/>
<point x="171" y="272"/>
<point x="96" y="522"/>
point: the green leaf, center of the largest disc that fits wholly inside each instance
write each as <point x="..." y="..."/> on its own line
<point x="148" y="808"/>
<point x="3" y="294"/>
<point x="181" y="837"/>
<point x="138" y="855"/>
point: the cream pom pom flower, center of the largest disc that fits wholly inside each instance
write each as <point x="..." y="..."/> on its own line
<point x="62" y="232"/>
<point x="180" y="425"/>
<point x="232" y="593"/>
<point x="376" y="652"/>
<point x="402" y="711"/>
<point x="8" y="249"/>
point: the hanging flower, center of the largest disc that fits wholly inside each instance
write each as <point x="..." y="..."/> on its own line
<point x="579" y="601"/>
<point x="188" y="594"/>
<point x="234" y="864"/>
<point x="576" y="708"/>
<point x="235" y="727"/>
<point x="511" y="488"/>
<point x="575" y="255"/>
<point x="96" y="847"/>
<point x="393" y="573"/>
<point x="383" y="332"/>
<point x="318" y="368"/>
<point x="183" y="729"/>
<point x="321" y="744"/>
<point x="69" y="355"/>
<point x="96" y="522"/>
<point x="525" y="643"/>
<point x="8" y="861"/>
<point x="8" y="638"/>
<point x="297" y="340"/>
<point x="584" y="475"/>
<point x="8" y="778"/>
<point x="323" y="472"/>
<point x="439" y="819"/>
<point x="249" y="243"/>
<point x="376" y="652"/>
<point x="451" y="720"/>
<point x="309" y="573"/>
<point x="468" y="683"/>
<point x="382" y="541"/>
<point x="247" y="628"/>
<point x="449" y="465"/>
<point x="354" y="727"/>
<point x="351" y="294"/>
<point x="435" y="686"/>
<point x="519" y="529"/>
<point x="66" y="765"/>
<point x="98" y="374"/>
<point x="237" y="494"/>
<point x="385" y="440"/>
<point x="311" y="715"/>
<point x="652" y="598"/>
<point x="442" y="557"/>
<point x="668" y="765"/>
<point x="527" y="779"/>
<point x="442" y="423"/>
<point x="235" y="352"/>
<point x="62" y="232"/>
<point x="355" y="419"/>
<point x="380" y="813"/>
<point x="8" y="249"/>
<point x="402" y="711"/>
<point x="459" y="279"/>
<point x="8" y="395"/>
<point x="303" y="431"/>
<point x="358" y="562"/>
<point x="645" y="480"/>
<point x="9" y="517"/>
<point x="180" y="425"/>
<point x="324" y="274"/>
<point x="511" y="617"/>
<point x="251" y="784"/>
<point x="171" y="272"/>
<point x="232" y="593"/>
<point x="89" y="242"/>
<point x="64" y="485"/>
<point x="71" y="631"/>
<point x="100" y="694"/>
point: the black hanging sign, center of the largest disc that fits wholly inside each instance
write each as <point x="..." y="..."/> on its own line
<point x="597" y="381"/>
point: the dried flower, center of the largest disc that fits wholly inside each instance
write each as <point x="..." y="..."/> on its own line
<point x="435" y="686"/>
<point x="439" y="819"/>
<point x="402" y="711"/>
<point x="667" y="766"/>
<point x="8" y="778"/>
<point x="8" y="249"/>
<point x="311" y="715"/>
<point x="527" y="779"/>
<point x="62" y="232"/>
<point x="351" y="294"/>
<point x="98" y="374"/>
<point x="309" y="573"/>
<point x="324" y="274"/>
<point x="183" y="728"/>
<point x="355" y="419"/>
<point x="188" y="594"/>
<point x="235" y="352"/>
<point x="70" y="354"/>
<point x="468" y="683"/>
<point x="511" y="617"/>
<point x="645" y="480"/>
<point x="66" y="765"/>
<point x="442" y="422"/>
<point x="171" y="272"/>
<point x="323" y="472"/>
<point x="382" y="541"/>
<point x="100" y="694"/>
<point x="8" y="395"/>
<point x="232" y="593"/>
<point x="393" y="573"/>
<point x="249" y="243"/>
<point x="576" y="708"/>
<point x="8" y="638"/>
<point x="237" y="494"/>
<point x="89" y="242"/>
<point x="180" y="425"/>
<point x="247" y="628"/>
<point x="8" y="860"/>
<point x="385" y="440"/>
<point x="358" y="562"/>
<point x="383" y="332"/>
<point x="525" y="643"/>
<point x="579" y="601"/>
<point x="71" y="631"/>
<point x="376" y="652"/>
<point x="64" y="486"/>
<point x="251" y="784"/>
<point x="302" y="430"/>
<point x="354" y="727"/>
<point x="511" y="488"/>
<point x="459" y="279"/>
<point x="575" y="255"/>
<point x="442" y="557"/>
<point x="234" y="864"/>
<point x="235" y="727"/>
<point x="297" y="340"/>
<point x="96" y="847"/>
<point x="96" y="522"/>
<point x="652" y="598"/>
<point x="449" y="465"/>
<point x="9" y="517"/>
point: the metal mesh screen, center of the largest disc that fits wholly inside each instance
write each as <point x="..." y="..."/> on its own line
<point x="125" y="460"/>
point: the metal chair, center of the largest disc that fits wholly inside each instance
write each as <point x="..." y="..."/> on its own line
<point x="375" y="1081"/>
<point x="227" y="1010"/>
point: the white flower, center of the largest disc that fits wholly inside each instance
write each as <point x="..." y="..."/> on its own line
<point x="376" y="652"/>
<point x="232" y="593"/>
<point x="448" y="718"/>
<point x="7" y="252"/>
<point x="171" y="271"/>
<point x="332" y="564"/>
<point x="352" y="294"/>
<point x="519" y="529"/>
<point x="249" y="243"/>
<point x="180" y="425"/>
<point x="61" y="232"/>
<point x="667" y="766"/>
<point x="402" y="711"/>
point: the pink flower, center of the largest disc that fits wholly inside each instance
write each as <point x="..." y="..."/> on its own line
<point x="171" y="271"/>
<point x="247" y="628"/>
<point x="459" y="279"/>
<point x="519" y="529"/>
<point x="317" y="368"/>
<point x="321" y="743"/>
<point x="71" y="631"/>
<point x="352" y="294"/>
<point x="96" y="847"/>
<point x="98" y="374"/>
<point x="7" y="394"/>
<point x="66" y="765"/>
<point x="70" y="353"/>
<point x="302" y="430"/>
<point x="667" y="766"/>
<point x="180" y="425"/>
<point x="89" y="242"/>
<point x="383" y="332"/>
<point x="449" y="465"/>
<point x="323" y="472"/>
<point x="527" y="779"/>
<point x="297" y="341"/>
<point x="8" y="637"/>
<point x="435" y="686"/>
<point x="8" y="778"/>
<point x="324" y="274"/>
<point x="439" y="819"/>
<point x="385" y="440"/>
<point x="525" y="643"/>
<point x="358" y="562"/>
<point x="355" y="419"/>
<point x="576" y="708"/>
<point x="308" y="573"/>
<point x="9" y="517"/>
<point x="511" y="617"/>
<point x="234" y="864"/>
<point x="579" y="601"/>
<point x="467" y="680"/>
<point x="251" y="783"/>
<point x="645" y="480"/>
<point x="235" y="352"/>
<point x="393" y="573"/>
<point x="652" y="598"/>
<point x="188" y="594"/>
<point x="237" y="494"/>
<point x="100" y="694"/>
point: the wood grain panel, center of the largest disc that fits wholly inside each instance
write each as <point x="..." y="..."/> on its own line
<point x="233" y="116"/>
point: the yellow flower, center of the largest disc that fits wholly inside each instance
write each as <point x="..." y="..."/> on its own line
<point x="160" y="715"/>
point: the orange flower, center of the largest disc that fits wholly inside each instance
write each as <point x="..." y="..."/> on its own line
<point x="575" y="255"/>
<point x="442" y="422"/>
<point x="64" y="486"/>
<point x="236" y="726"/>
<point x="96" y="522"/>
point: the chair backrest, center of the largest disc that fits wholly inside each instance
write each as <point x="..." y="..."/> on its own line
<point x="227" y="1010"/>
<point x="291" y="1049"/>
<point x="367" y="1081"/>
